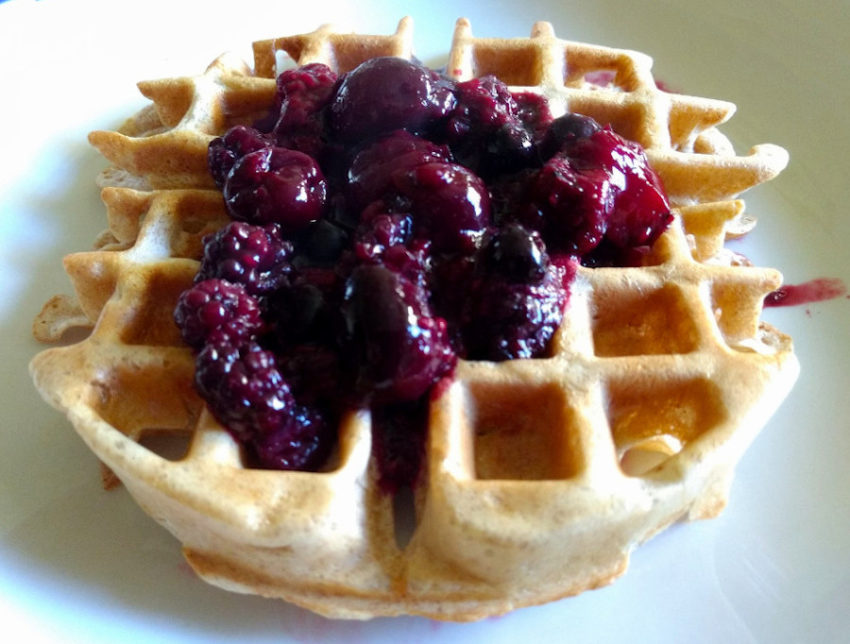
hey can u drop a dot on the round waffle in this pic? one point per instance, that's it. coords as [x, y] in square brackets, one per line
[541, 475]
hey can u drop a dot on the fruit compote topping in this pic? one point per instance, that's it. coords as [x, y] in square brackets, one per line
[386, 223]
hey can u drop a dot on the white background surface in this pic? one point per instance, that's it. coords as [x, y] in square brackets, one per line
[79, 564]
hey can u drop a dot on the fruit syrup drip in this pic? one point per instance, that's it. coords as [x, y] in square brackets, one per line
[387, 222]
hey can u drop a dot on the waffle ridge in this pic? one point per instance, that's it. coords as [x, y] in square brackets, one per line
[541, 475]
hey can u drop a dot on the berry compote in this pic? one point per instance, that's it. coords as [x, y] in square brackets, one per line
[386, 223]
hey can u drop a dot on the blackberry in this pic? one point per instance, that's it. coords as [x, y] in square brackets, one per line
[224, 151]
[401, 348]
[302, 94]
[255, 256]
[215, 305]
[485, 131]
[597, 187]
[301, 441]
[247, 394]
[507, 320]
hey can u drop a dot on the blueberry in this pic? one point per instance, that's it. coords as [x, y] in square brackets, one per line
[564, 130]
[321, 243]
[517, 254]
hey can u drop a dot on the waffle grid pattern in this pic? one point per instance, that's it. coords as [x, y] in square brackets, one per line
[542, 474]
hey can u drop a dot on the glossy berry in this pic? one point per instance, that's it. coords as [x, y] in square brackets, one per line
[301, 441]
[597, 187]
[516, 253]
[533, 110]
[564, 131]
[485, 130]
[370, 177]
[379, 232]
[255, 256]
[449, 203]
[385, 94]
[401, 348]
[224, 151]
[215, 305]
[570, 207]
[276, 186]
[247, 394]
[508, 320]
[243, 386]
[302, 94]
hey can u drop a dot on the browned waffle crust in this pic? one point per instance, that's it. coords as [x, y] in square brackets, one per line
[542, 475]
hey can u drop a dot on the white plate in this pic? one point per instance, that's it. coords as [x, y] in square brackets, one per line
[80, 564]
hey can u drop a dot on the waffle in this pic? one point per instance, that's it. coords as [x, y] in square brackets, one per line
[541, 475]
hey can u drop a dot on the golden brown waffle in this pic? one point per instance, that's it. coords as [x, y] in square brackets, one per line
[542, 475]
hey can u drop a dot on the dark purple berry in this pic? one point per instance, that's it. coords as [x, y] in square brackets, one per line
[276, 186]
[302, 95]
[254, 256]
[533, 111]
[247, 394]
[321, 243]
[303, 312]
[641, 211]
[402, 349]
[379, 232]
[370, 177]
[485, 130]
[385, 94]
[301, 441]
[565, 130]
[508, 320]
[224, 151]
[597, 187]
[216, 305]
[516, 254]
[570, 207]
[449, 203]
